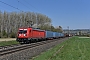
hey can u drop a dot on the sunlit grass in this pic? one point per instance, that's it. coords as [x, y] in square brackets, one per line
[4, 43]
[73, 49]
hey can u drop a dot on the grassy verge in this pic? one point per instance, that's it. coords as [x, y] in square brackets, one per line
[4, 43]
[73, 49]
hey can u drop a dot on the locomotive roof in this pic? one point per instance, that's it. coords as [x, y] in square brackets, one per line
[32, 28]
[38, 29]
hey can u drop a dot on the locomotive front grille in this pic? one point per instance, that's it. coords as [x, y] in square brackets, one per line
[21, 39]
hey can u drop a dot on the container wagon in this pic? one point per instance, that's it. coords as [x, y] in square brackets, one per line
[49, 35]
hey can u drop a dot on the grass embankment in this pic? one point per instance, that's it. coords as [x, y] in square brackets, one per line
[4, 43]
[73, 49]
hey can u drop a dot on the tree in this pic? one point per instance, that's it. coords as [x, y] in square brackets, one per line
[10, 22]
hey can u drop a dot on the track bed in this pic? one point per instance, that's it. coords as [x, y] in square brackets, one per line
[25, 53]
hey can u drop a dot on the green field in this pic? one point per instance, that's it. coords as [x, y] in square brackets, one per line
[73, 49]
[4, 43]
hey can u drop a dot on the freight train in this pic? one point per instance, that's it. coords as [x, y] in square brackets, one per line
[28, 35]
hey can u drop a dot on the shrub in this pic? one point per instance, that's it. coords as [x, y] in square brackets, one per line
[88, 35]
[12, 35]
[4, 34]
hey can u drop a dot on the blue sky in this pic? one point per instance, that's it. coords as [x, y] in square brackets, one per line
[72, 13]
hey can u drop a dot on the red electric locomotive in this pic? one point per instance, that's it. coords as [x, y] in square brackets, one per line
[27, 35]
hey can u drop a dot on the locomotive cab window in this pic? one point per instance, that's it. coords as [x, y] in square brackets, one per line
[22, 31]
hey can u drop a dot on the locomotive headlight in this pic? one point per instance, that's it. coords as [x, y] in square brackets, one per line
[24, 35]
[19, 34]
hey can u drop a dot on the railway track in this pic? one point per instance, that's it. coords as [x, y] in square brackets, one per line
[8, 46]
[15, 48]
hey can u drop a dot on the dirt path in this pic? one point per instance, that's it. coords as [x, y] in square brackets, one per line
[7, 39]
[84, 37]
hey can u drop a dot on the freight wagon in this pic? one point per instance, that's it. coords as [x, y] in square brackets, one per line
[49, 35]
[56, 35]
[28, 35]
[62, 35]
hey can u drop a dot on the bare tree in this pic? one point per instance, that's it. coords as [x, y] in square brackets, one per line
[11, 21]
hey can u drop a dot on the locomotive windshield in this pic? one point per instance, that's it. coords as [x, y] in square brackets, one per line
[22, 31]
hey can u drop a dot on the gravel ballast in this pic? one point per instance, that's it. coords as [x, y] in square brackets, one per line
[27, 54]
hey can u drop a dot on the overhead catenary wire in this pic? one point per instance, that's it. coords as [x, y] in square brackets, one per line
[23, 4]
[36, 13]
[11, 6]
[28, 7]
[31, 5]
[1, 7]
[17, 7]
